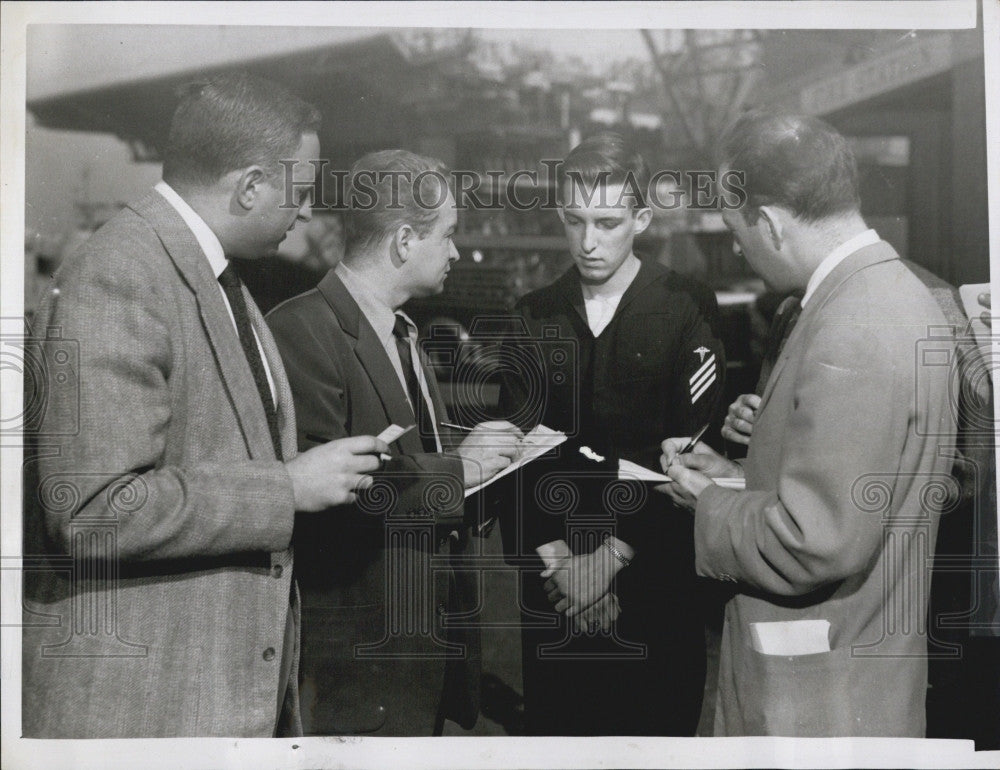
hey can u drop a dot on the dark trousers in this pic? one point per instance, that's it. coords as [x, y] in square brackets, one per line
[645, 678]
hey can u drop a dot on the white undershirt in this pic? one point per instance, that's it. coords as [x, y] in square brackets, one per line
[835, 257]
[213, 251]
[601, 306]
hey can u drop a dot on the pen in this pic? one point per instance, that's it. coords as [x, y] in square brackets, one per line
[694, 440]
[326, 439]
[456, 427]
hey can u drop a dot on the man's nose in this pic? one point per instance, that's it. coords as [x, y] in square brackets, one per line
[305, 210]
[589, 242]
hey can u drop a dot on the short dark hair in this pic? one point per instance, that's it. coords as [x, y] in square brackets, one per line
[232, 121]
[794, 161]
[607, 158]
[388, 189]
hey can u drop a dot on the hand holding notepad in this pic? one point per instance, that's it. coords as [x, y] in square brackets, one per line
[630, 471]
[534, 444]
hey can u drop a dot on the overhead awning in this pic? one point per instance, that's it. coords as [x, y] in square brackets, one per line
[370, 87]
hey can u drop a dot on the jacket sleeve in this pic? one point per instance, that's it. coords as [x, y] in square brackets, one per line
[114, 325]
[694, 397]
[420, 484]
[847, 420]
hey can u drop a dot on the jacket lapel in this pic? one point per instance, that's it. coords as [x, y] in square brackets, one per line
[192, 264]
[859, 260]
[372, 356]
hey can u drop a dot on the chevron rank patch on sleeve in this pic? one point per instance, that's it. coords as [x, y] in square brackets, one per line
[703, 378]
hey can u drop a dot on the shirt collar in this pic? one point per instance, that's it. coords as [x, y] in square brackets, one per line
[379, 314]
[207, 240]
[835, 257]
[628, 273]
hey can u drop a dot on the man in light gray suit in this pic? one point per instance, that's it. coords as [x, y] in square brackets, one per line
[848, 467]
[160, 503]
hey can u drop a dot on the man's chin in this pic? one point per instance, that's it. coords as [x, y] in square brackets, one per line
[593, 274]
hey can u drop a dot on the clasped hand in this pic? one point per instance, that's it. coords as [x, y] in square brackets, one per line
[578, 586]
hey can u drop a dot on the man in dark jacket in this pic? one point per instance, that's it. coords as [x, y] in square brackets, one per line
[612, 635]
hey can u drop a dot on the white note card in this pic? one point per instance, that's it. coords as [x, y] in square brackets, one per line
[630, 471]
[791, 637]
[393, 432]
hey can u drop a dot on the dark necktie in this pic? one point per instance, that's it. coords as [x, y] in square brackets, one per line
[401, 331]
[233, 287]
[784, 321]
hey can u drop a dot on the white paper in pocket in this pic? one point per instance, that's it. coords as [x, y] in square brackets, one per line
[791, 637]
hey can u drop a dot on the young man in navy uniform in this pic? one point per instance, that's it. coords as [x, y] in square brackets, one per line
[613, 638]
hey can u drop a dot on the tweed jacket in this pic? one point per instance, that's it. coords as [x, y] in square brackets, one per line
[845, 481]
[157, 520]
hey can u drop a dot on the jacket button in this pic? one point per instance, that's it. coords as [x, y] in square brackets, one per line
[269, 653]
[277, 570]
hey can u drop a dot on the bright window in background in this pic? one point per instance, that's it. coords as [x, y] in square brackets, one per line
[884, 167]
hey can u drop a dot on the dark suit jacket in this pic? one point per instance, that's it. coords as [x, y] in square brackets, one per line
[845, 480]
[367, 571]
[163, 515]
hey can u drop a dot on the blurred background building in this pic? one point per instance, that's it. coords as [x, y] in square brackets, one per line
[502, 101]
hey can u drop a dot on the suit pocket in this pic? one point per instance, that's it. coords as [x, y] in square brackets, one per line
[800, 695]
[834, 693]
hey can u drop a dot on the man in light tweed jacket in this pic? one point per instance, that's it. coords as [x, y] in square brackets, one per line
[848, 469]
[161, 495]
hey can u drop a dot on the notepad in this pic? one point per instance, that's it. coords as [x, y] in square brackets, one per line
[630, 471]
[536, 443]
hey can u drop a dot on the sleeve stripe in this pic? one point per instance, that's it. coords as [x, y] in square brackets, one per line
[704, 367]
[704, 387]
[702, 379]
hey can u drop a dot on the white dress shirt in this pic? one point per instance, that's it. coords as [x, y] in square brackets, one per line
[212, 250]
[835, 257]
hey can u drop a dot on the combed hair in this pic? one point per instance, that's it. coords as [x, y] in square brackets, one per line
[233, 121]
[794, 161]
[607, 158]
[388, 189]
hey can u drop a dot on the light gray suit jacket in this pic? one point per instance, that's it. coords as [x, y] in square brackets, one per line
[157, 519]
[846, 478]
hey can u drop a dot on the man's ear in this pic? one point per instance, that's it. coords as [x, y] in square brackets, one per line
[770, 219]
[402, 241]
[643, 217]
[561, 213]
[248, 186]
